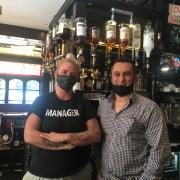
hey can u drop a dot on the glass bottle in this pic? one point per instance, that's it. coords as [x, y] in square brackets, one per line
[148, 43]
[123, 37]
[64, 28]
[110, 34]
[148, 39]
[94, 35]
[89, 80]
[80, 37]
[136, 40]
[80, 31]
[98, 81]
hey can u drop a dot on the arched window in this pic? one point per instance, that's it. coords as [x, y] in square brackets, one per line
[15, 93]
[2, 90]
[32, 91]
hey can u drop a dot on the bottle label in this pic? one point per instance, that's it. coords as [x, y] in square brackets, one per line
[95, 34]
[110, 34]
[80, 29]
[136, 39]
[124, 33]
[137, 35]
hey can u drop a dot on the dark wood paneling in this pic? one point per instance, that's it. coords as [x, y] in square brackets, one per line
[24, 32]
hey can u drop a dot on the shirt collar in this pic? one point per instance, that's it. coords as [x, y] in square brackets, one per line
[132, 97]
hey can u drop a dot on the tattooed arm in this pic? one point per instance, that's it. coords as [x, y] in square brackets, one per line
[32, 135]
[90, 136]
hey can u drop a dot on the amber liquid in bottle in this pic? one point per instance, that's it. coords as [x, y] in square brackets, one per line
[123, 37]
[110, 40]
[94, 35]
[110, 35]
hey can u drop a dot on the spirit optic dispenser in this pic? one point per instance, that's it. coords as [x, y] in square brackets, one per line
[110, 28]
[94, 39]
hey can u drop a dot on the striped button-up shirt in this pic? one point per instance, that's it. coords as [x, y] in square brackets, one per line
[135, 144]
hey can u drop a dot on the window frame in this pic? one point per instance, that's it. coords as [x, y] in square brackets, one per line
[24, 79]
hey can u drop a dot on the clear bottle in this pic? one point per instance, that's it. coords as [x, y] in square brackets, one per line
[65, 28]
[148, 39]
[136, 40]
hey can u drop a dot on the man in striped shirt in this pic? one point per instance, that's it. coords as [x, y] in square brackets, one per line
[135, 144]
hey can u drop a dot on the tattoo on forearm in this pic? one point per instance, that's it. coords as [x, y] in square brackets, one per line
[52, 144]
[83, 138]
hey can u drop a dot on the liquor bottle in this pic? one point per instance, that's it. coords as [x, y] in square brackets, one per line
[80, 37]
[80, 31]
[83, 75]
[110, 34]
[123, 37]
[94, 35]
[65, 29]
[148, 39]
[98, 81]
[136, 40]
[148, 42]
[89, 81]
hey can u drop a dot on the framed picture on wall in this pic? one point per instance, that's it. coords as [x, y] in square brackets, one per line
[173, 37]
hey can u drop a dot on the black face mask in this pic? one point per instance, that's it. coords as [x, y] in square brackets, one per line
[66, 82]
[122, 90]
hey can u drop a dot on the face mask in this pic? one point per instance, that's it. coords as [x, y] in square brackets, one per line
[122, 90]
[66, 82]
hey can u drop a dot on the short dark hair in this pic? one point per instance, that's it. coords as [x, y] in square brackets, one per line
[123, 59]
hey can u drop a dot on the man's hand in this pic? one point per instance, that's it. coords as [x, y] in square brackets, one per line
[59, 145]
[55, 137]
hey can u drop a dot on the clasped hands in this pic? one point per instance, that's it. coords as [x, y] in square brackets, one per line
[58, 140]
